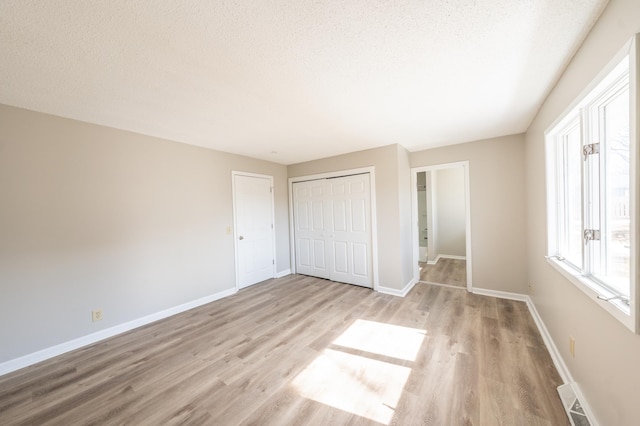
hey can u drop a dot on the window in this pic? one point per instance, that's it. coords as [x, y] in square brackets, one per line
[591, 186]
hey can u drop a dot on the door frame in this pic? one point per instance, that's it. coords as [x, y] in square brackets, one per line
[235, 173]
[374, 227]
[415, 231]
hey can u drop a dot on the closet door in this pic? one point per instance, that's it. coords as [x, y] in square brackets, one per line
[350, 235]
[332, 225]
[309, 227]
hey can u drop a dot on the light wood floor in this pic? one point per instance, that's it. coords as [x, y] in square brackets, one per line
[445, 271]
[305, 351]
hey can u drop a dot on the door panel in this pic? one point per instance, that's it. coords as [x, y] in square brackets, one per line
[302, 212]
[360, 260]
[340, 215]
[338, 188]
[358, 216]
[317, 209]
[253, 213]
[340, 263]
[319, 255]
[304, 252]
[309, 227]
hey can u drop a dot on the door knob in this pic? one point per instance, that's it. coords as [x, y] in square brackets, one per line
[241, 237]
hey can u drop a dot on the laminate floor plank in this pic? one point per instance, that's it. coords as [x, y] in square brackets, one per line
[446, 271]
[302, 350]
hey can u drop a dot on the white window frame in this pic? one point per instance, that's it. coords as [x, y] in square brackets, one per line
[572, 122]
[591, 96]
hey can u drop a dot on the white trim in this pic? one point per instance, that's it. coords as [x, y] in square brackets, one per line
[235, 173]
[614, 308]
[556, 357]
[44, 354]
[374, 226]
[444, 285]
[468, 253]
[283, 273]
[444, 256]
[334, 174]
[583, 97]
[500, 294]
[414, 218]
[448, 256]
[627, 315]
[558, 361]
[371, 170]
[431, 214]
[634, 155]
[585, 404]
[400, 293]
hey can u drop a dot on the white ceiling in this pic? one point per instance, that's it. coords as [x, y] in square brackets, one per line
[291, 80]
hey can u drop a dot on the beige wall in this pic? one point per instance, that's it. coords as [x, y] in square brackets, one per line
[607, 361]
[496, 175]
[451, 211]
[93, 217]
[392, 187]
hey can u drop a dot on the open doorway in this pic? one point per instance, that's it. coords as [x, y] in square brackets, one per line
[441, 214]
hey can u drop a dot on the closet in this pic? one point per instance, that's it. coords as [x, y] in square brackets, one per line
[332, 228]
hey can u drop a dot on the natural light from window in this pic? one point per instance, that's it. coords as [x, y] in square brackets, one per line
[382, 339]
[592, 188]
[364, 371]
[614, 267]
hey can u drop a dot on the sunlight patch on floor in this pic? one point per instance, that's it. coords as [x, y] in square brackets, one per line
[356, 384]
[361, 384]
[382, 339]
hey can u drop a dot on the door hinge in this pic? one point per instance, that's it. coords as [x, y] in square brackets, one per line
[272, 226]
[271, 189]
[273, 262]
[590, 149]
[591, 235]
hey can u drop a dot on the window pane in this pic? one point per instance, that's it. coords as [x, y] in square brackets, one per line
[572, 247]
[615, 237]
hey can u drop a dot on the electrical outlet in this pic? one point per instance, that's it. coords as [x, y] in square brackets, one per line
[228, 230]
[572, 346]
[96, 315]
[531, 288]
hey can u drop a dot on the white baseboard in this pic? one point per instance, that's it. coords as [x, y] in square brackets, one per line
[448, 256]
[395, 292]
[546, 337]
[44, 354]
[557, 359]
[585, 404]
[500, 294]
[283, 273]
[455, 287]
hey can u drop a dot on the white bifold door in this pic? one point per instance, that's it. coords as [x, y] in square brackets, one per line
[332, 226]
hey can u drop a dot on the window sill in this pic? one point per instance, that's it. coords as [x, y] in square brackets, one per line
[616, 308]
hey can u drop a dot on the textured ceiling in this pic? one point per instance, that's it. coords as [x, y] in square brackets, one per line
[291, 80]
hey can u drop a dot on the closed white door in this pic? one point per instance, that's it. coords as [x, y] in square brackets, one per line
[310, 227]
[332, 225]
[254, 233]
[350, 235]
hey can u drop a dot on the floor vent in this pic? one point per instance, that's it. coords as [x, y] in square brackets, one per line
[575, 410]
